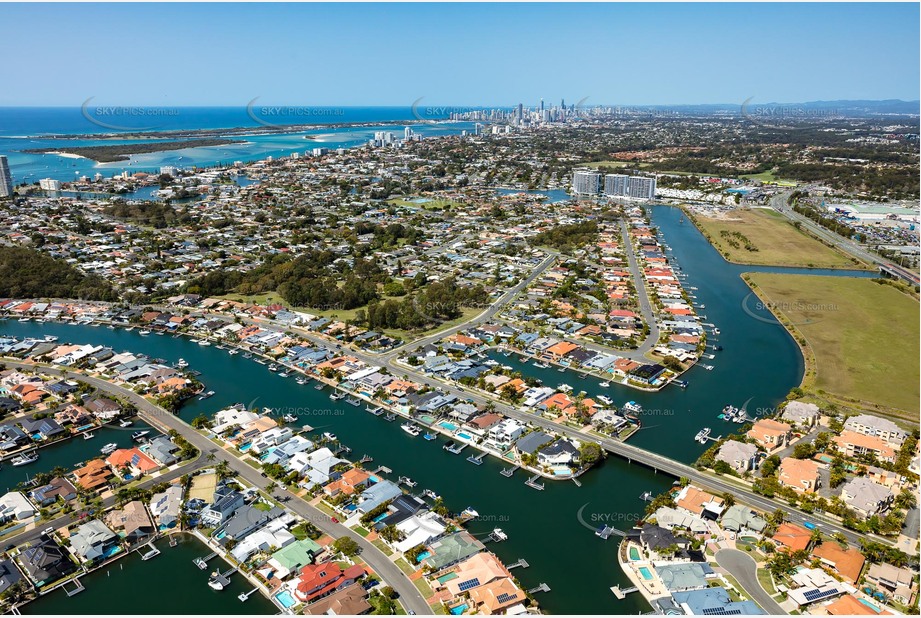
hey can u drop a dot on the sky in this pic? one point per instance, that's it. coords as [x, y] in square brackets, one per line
[456, 54]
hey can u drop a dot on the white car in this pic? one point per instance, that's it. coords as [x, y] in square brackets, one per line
[48, 531]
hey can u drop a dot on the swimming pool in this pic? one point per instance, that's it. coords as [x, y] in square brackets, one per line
[464, 436]
[561, 471]
[634, 553]
[245, 447]
[423, 556]
[457, 610]
[870, 605]
[447, 425]
[284, 597]
[645, 573]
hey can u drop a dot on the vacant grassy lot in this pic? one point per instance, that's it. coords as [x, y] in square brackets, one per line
[863, 335]
[778, 243]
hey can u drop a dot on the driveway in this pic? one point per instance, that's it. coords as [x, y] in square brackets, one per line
[743, 567]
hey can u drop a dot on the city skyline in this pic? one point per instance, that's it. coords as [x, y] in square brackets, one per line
[484, 55]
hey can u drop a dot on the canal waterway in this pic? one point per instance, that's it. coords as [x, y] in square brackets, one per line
[760, 364]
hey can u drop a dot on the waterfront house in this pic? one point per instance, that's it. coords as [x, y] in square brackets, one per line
[45, 562]
[875, 426]
[15, 506]
[656, 540]
[93, 541]
[319, 580]
[225, 503]
[131, 461]
[802, 415]
[647, 374]
[670, 518]
[699, 502]
[161, 449]
[866, 497]
[503, 434]
[166, 506]
[849, 605]
[419, 529]
[376, 495]
[272, 534]
[294, 556]
[42, 428]
[247, 519]
[561, 452]
[133, 521]
[500, 596]
[846, 562]
[790, 537]
[451, 549]
[477, 570]
[739, 455]
[103, 408]
[897, 581]
[854, 444]
[351, 481]
[770, 434]
[739, 517]
[351, 600]
[528, 444]
[57, 488]
[316, 466]
[801, 475]
[93, 476]
[9, 575]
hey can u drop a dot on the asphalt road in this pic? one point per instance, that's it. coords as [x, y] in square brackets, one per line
[645, 306]
[743, 567]
[410, 596]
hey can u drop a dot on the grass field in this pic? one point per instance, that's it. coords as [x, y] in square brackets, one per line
[778, 243]
[768, 177]
[863, 337]
[432, 204]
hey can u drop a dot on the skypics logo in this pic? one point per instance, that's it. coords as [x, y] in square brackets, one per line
[432, 113]
[594, 521]
[102, 116]
[787, 117]
[762, 311]
[280, 116]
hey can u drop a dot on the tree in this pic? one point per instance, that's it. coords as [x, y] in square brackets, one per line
[346, 546]
[728, 499]
[589, 453]
[769, 466]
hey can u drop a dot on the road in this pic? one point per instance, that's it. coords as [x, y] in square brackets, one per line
[652, 339]
[744, 568]
[410, 596]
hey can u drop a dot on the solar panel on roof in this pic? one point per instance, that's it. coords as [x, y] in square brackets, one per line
[505, 597]
[467, 585]
[721, 611]
[815, 594]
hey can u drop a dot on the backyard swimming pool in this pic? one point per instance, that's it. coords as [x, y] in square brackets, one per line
[465, 436]
[458, 610]
[447, 425]
[284, 597]
[645, 573]
[634, 554]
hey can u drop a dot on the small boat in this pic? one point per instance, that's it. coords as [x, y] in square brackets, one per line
[498, 535]
[301, 381]
[204, 343]
[182, 363]
[469, 513]
[410, 429]
[137, 436]
[248, 355]
[564, 388]
[330, 436]
[233, 351]
[405, 480]
[24, 320]
[491, 363]
[50, 338]
[153, 553]
[561, 369]
[430, 436]
[144, 333]
[353, 401]
[111, 327]
[124, 423]
[273, 367]
[541, 365]
[289, 418]
[89, 435]
[204, 396]
[24, 459]
[108, 449]
[632, 406]
[605, 384]
[718, 348]
[716, 331]
[390, 416]
[605, 400]
[214, 583]
[336, 395]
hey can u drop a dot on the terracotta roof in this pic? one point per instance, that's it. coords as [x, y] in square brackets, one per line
[847, 562]
[792, 536]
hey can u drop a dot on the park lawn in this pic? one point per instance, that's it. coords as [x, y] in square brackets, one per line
[863, 336]
[432, 204]
[777, 241]
[769, 177]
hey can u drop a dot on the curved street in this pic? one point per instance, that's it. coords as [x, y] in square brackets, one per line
[744, 568]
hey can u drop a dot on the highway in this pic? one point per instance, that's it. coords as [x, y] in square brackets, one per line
[410, 596]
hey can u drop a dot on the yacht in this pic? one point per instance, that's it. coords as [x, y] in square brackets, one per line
[183, 363]
[300, 380]
[50, 338]
[233, 351]
[605, 385]
[632, 406]
[273, 367]
[204, 343]
[336, 395]
[204, 396]
[124, 423]
[564, 388]
[25, 459]
[605, 400]
[25, 319]
[89, 435]
[716, 331]
[410, 429]
[329, 436]
[491, 363]
[144, 333]
[289, 418]
[541, 365]
[108, 449]
[137, 436]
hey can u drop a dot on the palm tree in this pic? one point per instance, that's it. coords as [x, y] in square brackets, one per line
[728, 499]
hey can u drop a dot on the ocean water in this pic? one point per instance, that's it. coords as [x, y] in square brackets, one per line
[26, 128]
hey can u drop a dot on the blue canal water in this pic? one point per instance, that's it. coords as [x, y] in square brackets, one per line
[760, 364]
